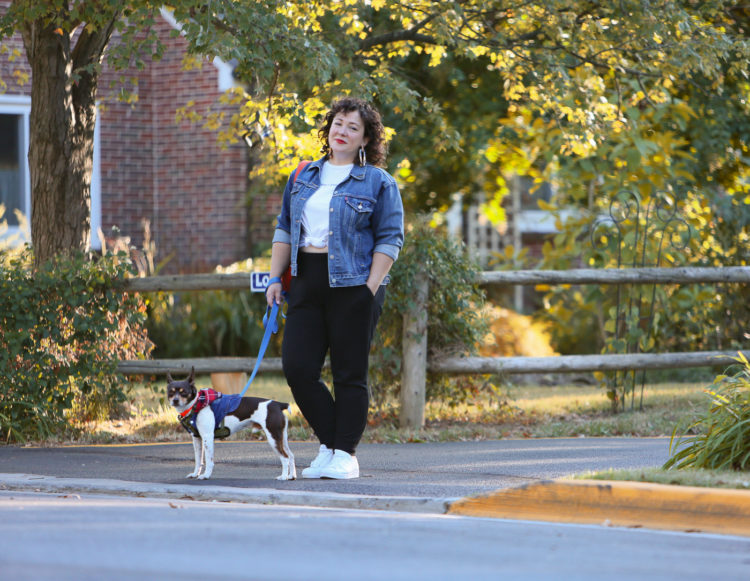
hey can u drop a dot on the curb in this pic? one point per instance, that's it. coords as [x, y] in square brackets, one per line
[53, 484]
[617, 503]
[597, 502]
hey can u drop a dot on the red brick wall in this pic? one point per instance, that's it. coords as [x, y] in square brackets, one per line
[262, 216]
[175, 175]
[13, 71]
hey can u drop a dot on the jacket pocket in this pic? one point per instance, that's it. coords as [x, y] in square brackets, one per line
[359, 211]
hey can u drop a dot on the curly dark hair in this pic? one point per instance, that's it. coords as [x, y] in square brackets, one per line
[375, 150]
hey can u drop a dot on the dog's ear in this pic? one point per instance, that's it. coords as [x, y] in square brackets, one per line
[192, 375]
[169, 377]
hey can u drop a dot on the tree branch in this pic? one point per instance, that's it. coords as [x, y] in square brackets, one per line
[90, 45]
[412, 34]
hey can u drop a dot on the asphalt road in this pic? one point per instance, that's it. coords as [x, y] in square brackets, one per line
[72, 537]
[429, 470]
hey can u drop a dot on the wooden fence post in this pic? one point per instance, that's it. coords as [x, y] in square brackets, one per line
[414, 365]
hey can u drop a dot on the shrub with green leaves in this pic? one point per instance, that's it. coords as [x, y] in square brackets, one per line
[647, 227]
[454, 323]
[63, 328]
[721, 438]
[212, 323]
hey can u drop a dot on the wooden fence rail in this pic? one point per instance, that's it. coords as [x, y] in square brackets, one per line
[580, 363]
[458, 365]
[241, 281]
[646, 275]
[416, 364]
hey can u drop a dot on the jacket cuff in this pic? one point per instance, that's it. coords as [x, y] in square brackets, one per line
[280, 235]
[390, 250]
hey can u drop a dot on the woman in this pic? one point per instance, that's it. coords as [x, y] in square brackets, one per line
[340, 229]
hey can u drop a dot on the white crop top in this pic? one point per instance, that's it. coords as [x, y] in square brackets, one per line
[316, 210]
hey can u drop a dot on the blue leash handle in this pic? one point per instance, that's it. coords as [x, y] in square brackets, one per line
[271, 324]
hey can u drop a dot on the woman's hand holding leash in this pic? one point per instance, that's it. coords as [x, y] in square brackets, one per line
[274, 292]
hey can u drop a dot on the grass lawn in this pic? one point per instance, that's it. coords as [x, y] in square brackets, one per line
[684, 477]
[519, 412]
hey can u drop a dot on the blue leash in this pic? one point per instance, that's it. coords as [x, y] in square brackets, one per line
[271, 324]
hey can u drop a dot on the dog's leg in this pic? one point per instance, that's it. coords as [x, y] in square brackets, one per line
[275, 428]
[205, 424]
[198, 450]
[291, 469]
[279, 449]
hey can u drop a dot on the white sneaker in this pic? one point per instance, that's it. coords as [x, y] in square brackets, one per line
[341, 466]
[321, 460]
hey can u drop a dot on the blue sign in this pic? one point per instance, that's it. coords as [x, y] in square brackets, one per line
[259, 281]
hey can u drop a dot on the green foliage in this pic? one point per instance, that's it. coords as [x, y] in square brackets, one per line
[63, 328]
[209, 323]
[705, 231]
[656, 230]
[439, 152]
[454, 304]
[722, 440]
[681, 136]
[577, 88]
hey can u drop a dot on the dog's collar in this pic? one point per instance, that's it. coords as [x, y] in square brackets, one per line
[186, 412]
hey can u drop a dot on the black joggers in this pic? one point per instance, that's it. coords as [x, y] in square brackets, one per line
[341, 319]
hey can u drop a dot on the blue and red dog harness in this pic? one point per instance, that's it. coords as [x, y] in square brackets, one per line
[221, 404]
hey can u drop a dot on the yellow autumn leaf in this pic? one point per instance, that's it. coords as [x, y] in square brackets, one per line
[546, 206]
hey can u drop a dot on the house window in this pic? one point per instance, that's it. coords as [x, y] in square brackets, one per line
[13, 174]
[15, 188]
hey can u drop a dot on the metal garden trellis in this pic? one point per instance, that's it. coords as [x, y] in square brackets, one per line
[642, 235]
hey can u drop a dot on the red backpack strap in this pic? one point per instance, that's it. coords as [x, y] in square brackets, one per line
[286, 279]
[302, 165]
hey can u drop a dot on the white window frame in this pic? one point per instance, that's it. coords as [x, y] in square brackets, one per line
[21, 105]
[96, 189]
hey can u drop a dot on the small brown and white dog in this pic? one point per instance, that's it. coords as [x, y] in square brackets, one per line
[196, 414]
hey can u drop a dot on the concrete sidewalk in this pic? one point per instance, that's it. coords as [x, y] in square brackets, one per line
[504, 478]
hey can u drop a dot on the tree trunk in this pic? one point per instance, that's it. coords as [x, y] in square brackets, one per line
[61, 133]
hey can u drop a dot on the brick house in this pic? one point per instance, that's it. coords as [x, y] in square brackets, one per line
[192, 191]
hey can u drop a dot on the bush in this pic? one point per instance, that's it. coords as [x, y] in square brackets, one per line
[512, 334]
[63, 328]
[723, 435]
[647, 227]
[209, 323]
[454, 306]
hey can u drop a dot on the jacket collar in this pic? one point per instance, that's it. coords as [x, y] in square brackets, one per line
[358, 171]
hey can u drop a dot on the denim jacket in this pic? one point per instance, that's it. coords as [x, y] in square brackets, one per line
[366, 216]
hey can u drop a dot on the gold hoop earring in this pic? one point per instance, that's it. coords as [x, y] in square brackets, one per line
[362, 155]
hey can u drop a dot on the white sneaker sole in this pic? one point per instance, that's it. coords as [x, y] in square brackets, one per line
[307, 473]
[338, 476]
